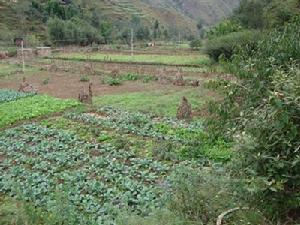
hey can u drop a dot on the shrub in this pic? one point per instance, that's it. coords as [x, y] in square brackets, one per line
[196, 43]
[225, 45]
[113, 81]
[224, 28]
[46, 81]
[130, 76]
[261, 112]
[12, 52]
[196, 196]
[84, 79]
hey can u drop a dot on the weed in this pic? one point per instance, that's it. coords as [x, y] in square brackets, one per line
[46, 81]
[84, 79]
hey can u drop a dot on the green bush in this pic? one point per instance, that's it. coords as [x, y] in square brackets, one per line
[112, 81]
[261, 112]
[84, 79]
[224, 28]
[196, 44]
[225, 45]
[12, 52]
[130, 76]
[197, 196]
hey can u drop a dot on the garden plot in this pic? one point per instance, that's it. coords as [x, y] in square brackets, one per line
[151, 59]
[189, 140]
[30, 107]
[7, 95]
[39, 162]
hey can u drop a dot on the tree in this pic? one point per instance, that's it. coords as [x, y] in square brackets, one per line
[106, 31]
[251, 13]
[156, 32]
[56, 29]
[143, 33]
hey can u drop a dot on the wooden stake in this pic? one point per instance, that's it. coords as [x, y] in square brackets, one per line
[131, 42]
[23, 59]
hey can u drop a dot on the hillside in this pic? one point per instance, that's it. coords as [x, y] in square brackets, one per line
[174, 16]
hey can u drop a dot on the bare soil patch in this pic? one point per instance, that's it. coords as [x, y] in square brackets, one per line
[68, 85]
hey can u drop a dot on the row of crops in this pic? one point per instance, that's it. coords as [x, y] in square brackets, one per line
[7, 95]
[95, 160]
[16, 106]
[38, 162]
[188, 137]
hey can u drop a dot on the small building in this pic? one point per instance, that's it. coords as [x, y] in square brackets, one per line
[43, 51]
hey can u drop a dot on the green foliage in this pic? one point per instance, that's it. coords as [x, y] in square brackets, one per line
[260, 14]
[130, 76]
[277, 13]
[251, 13]
[46, 81]
[161, 103]
[200, 195]
[74, 31]
[143, 33]
[12, 52]
[31, 107]
[113, 81]
[224, 46]
[225, 27]
[7, 95]
[196, 44]
[173, 139]
[262, 112]
[84, 79]
[94, 180]
[192, 59]
[158, 217]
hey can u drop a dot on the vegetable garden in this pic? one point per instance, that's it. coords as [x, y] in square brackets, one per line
[40, 161]
[101, 160]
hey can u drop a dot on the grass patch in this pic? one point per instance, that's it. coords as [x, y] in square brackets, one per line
[31, 107]
[142, 58]
[10, 69]
[162, 103]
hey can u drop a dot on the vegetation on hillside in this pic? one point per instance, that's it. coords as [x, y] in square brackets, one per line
[84, 22]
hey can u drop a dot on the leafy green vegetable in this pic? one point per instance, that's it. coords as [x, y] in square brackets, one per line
[27, 108]
[7, 95]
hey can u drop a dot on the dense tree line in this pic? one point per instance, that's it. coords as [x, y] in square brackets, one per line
[77, 22]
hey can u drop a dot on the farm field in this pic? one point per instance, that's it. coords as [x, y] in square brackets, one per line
[149, 112]
[97, 161]
[159, 59]
[10, 69]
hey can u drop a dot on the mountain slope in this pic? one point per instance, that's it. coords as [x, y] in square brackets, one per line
[19, 18]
